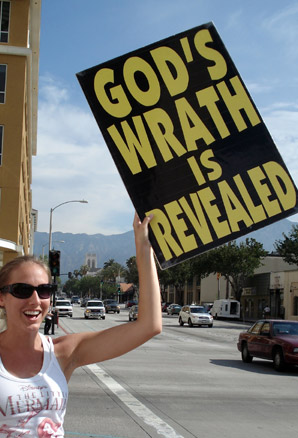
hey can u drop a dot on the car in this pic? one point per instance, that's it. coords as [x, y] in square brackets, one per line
[133, 313]
[63, 307]
[195, 315]
[75, 299]
[130, 303]
[94, 309]
[173, 309]
[271, 339]
[164, 307]
[111, 306]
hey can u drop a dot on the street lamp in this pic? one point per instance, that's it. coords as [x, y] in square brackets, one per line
[46, 244]
[82, 201]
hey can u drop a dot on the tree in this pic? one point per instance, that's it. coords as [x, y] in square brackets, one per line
[131, 273]
[177, 276]
[236, 262]
[83, 270]
[288, 247]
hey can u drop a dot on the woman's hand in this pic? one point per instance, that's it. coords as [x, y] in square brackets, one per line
[141, 229]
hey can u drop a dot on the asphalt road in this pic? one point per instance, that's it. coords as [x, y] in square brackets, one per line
[186, 382]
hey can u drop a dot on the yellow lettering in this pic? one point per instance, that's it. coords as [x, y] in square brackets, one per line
[211, 164]
[135, 65]
[239, 101]
[121, 107]
[198, 219]
[188, 242]
[207, 198]
[207, 97]
[162, 130]
[256, 212]
[193, 164]
[234, 209]
[257, 175]
[219, 70]
[161, 228]
[195, 132]
[277, 175]
[132, 143]
[162, 56]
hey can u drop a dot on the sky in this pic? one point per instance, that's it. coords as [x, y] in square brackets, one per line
[73, 161]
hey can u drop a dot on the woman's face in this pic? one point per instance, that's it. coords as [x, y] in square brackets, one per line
[26, 314]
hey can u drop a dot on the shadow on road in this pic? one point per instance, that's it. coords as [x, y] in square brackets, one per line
[257, 366]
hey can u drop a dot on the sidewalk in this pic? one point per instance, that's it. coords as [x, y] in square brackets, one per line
[58, 331]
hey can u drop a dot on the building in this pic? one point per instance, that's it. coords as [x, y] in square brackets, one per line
[274, 283]
[19, 58]
[91, 262]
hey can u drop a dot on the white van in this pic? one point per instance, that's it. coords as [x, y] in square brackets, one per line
[226, 309]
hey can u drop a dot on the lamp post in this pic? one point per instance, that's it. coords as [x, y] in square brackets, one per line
[82, 201]
[46, 244]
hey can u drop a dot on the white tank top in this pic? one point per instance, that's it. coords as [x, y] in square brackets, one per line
[35, 406]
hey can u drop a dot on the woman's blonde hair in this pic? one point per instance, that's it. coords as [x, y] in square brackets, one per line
[14, 264]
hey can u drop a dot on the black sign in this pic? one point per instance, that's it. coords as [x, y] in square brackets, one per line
[189, 143]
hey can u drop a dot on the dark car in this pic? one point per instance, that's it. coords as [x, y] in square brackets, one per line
[130, 303]
[111, 306]
[165, 306]
[271, 339]
[174, 309]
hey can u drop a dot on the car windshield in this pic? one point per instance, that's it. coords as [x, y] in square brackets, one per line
[285, 328]
[63, 303]
[113, 303]
[198, 310]
[95, 304]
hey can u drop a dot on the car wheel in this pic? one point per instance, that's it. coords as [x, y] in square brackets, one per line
[103, 317]
[70, 316]
[190, 323]
[118, 311]
[278, 360]
[180, 321]
[246, 357]
[86, 317]
[210, 325]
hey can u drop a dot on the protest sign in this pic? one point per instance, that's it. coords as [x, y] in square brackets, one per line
[189, 143]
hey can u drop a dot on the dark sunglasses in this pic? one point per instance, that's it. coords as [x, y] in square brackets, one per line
[24, 290]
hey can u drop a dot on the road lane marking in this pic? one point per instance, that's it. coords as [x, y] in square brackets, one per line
[138, 408]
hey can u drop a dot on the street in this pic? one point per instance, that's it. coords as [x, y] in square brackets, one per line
[186, 382]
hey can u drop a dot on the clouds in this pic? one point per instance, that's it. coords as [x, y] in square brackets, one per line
[73, 162]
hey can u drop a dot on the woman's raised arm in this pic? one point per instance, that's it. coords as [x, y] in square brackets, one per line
[80, 349]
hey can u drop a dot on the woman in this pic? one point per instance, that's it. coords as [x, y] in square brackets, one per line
[34, 370]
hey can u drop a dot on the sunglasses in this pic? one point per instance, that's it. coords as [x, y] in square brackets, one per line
[24, 290]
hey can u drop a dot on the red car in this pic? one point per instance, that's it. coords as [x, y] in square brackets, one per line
[271, 339]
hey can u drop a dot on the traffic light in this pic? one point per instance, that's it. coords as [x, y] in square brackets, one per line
[54, 262]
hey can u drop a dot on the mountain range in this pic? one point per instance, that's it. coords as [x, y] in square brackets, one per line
[120, 247]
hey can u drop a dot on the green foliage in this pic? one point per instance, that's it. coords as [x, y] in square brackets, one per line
[111, 270]
[131, 273]
[236, 262]
[288, 247]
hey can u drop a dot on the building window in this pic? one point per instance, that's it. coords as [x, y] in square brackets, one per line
[4, 21]
[1, 143]
[3, 68]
